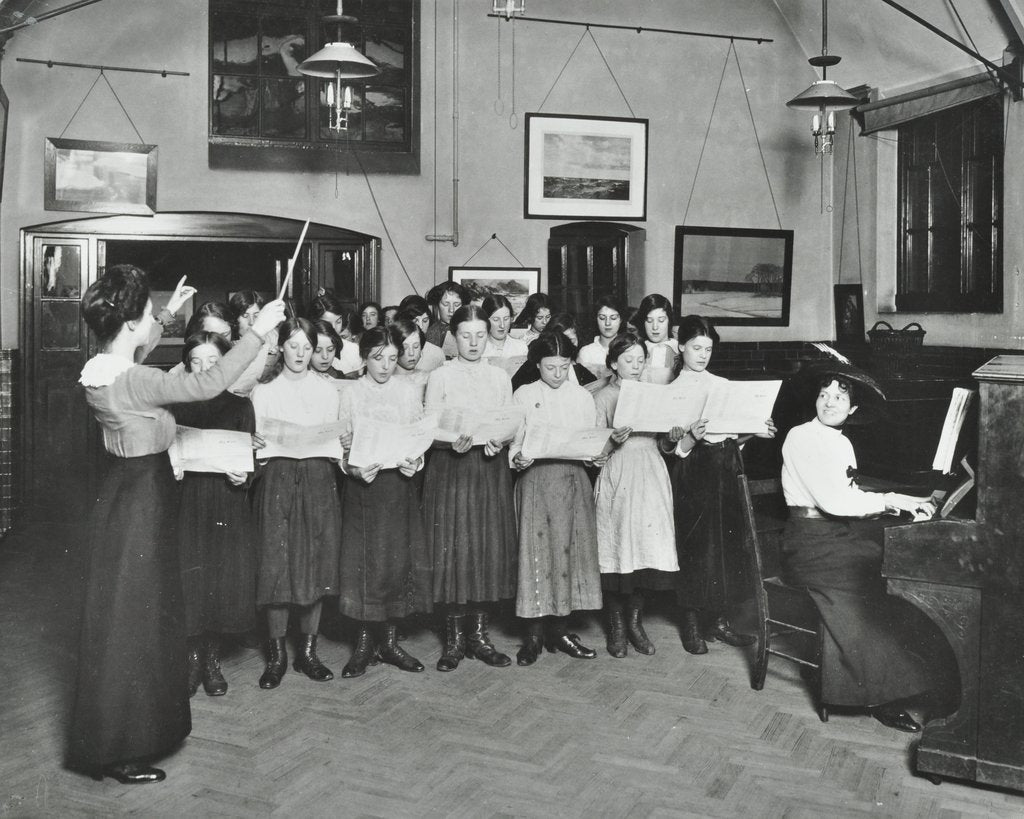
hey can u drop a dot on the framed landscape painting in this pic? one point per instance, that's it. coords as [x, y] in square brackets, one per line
[585, 167]
[734, 275]
[101, 177]
[515, 283]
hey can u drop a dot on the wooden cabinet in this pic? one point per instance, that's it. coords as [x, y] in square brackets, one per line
[591, 259]
[61, 453]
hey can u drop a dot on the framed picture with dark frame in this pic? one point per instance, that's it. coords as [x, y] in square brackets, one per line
[581, 167]
[99, 177]
[736, 276]
[515, 283]
[849, 305]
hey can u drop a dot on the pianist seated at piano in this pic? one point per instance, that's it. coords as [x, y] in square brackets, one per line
[878, 654]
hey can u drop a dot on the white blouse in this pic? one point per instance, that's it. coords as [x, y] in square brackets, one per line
[309, 400]
[464, 384]
[568, 406]
[594, 357]
[815, 463]
[395, 401]
[510, 348]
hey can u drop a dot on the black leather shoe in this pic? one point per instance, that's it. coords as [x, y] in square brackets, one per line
[531, 650]
[214, 683]
[692, 641]
[635, 629]
[454, 644]
[896, 718]
[616, 640]
[132, 773]
[309, 664]
[478, 643]
[570, 644]
[392, 653]
[723, 631]
[364, 654]
[277, 664]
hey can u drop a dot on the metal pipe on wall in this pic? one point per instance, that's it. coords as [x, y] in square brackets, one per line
[452, 237]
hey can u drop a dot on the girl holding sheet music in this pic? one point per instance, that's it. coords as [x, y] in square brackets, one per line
[385, 565]
[713, 570]
[328, 342]
[558, 563]
[635, 532]
[131, 693]
[499, 321]
[218, 563]
[297, 509]
[653, 321]
[608, 313]
[329, 307]
[467, 500]
[410, 355]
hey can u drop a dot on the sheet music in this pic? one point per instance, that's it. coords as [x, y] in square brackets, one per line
[564, 443]
[484, 425]
[388, 444]
[955, 415]
[211, 450]
[649, 407]
[740, 406]
[510, 365]
[287, 440]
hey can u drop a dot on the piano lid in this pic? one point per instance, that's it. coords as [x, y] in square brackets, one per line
[1001, 368]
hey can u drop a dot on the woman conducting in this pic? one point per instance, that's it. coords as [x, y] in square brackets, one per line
[131, 695]
[875, 656]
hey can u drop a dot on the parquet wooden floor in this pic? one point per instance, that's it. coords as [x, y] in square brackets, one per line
[669, 735]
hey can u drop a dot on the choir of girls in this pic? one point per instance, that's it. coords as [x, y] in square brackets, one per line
[456, 531]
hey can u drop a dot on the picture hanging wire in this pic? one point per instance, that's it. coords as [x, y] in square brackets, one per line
[851, 150]
[572, 53]
[494, 238]
[102, 76]
[732, 51]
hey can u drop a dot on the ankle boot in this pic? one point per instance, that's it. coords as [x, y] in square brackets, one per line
[195, 673]
[635, 625]
[454, 644]
[723, 631]
[364, 654]
[214, 683]
[692, 641]
[616, 640]
[277, 663]
[533, 647]
[478, 644]
[392, 653]
[309, 664]
[559, 639]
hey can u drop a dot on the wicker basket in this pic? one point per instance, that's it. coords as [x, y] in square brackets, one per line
[895, 351]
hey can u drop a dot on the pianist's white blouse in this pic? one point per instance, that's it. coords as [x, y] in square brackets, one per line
[816, 460]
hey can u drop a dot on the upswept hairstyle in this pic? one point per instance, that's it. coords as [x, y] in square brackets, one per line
[200, 338]
[377, 337]
[116, 297]
[551, 343]
[649, 304]
[436, 293]
[417, 304]
[691, 327]
[468, 312]
[622, 342]
[494, 302]
[326, 303]
[287, 329]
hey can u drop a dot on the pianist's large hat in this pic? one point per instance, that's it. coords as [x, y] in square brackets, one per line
[868, 393]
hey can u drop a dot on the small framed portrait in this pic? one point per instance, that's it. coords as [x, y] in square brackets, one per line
[849, 306]
[61, 274]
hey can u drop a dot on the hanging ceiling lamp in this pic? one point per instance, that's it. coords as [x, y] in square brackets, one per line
[508, 7]
[338, 62]
[824, 96]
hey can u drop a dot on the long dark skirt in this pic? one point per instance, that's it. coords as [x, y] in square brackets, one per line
[299, 532]
[558, 565]
[714, 571]
[131, 695]
[218, 558]
[639, 581]
[386, 571]
[470, 523]
[877, 648]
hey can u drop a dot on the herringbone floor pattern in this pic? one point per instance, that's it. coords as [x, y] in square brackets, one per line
[669, 735]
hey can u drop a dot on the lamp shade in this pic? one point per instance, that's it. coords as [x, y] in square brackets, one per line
[821, 94]
[339, 57]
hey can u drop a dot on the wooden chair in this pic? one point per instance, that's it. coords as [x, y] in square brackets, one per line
[785, 613]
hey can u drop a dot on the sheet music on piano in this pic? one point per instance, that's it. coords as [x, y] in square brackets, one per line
[955, 415]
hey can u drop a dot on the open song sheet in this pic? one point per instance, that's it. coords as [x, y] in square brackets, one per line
[388, 444]
[211, 450]
[564, 443]
[287, 440]
[730, 406]
[484, 425]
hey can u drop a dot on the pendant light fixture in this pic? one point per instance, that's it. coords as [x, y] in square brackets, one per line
[508, 7]
[824, 96]
[337, 62]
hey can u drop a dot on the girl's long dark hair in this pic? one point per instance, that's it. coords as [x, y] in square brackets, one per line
[287, 329]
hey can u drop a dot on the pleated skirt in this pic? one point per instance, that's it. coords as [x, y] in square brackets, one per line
[558, 565]
[470, 524]
[876, 648]
[386, 570]
[298, 532]
[218, 556]
[131, 692]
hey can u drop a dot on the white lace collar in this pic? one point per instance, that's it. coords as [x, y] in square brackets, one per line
[102, 369]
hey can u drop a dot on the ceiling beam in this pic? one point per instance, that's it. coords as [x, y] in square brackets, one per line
[1012, 9]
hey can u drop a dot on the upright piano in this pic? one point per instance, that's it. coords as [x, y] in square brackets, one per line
[966, 576]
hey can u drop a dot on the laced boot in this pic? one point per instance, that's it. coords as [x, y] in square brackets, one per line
[364, 654]
[692, 641]
[478, 643]
[277, 663]
[454, 644]
[723, 631]
[559, 639]
[309, 664]
[533, 647]
[392, 653]
[195, 673]
[635, 625]
[214, 683]
[616, 640]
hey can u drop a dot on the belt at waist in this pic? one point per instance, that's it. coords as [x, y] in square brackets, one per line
[808, 512]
